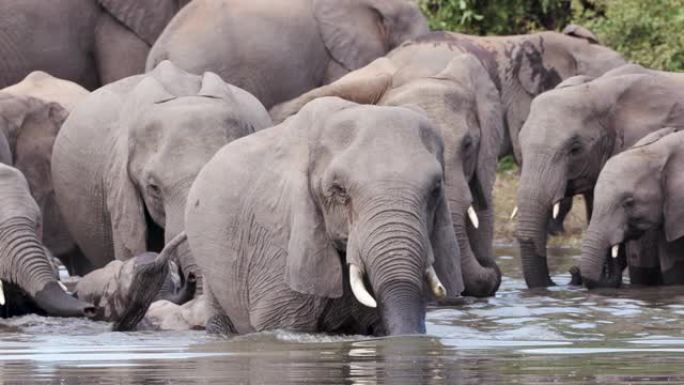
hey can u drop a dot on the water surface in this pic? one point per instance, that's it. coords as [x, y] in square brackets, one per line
[562, 335]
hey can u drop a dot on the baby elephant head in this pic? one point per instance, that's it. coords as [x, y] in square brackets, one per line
[637, 191]
[375, 191]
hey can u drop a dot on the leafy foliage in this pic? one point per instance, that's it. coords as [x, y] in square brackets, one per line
[645, 32]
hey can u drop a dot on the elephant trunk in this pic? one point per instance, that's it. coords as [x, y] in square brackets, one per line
[596, 267]
[479, 280]
[25, 264]
[394, 250]
[537, 193]
[147, 280]
[175, 225]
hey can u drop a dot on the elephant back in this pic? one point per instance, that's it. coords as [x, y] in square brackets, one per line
[146, 18]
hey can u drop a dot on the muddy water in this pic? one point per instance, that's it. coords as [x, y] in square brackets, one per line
[557, 336]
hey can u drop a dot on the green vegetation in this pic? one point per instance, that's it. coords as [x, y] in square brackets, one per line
[648, 32]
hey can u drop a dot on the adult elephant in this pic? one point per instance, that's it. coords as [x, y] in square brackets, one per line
[639, 191]
[91, 42]
[278, 50]
[570, 134]
[28, 282]
[29, 126]
[464, 105]
[126, 156]
[335, 198]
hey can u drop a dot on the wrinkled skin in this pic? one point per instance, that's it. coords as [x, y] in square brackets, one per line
[28, 280]
[90, 42]
[157, 130]
[29, 126]
[123, 291]
[337, 187]
[639, 192]
[464, 104]
[570, 134]
[278, 50]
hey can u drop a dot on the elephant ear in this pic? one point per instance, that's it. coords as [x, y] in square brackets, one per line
[673, 209]
[124, 203]
[578, 31]
[146, 18]
[445, 250]
[314, 266]
[574, 81]
[352, 31]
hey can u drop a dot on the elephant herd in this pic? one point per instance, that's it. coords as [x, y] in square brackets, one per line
[313, 165]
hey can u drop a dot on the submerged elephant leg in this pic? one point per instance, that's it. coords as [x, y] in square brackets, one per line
[672, 261]
[217, 320]
[643, 260]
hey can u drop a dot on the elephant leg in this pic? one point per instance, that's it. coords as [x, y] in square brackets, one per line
[556, 224]
[119, 53]
[217, 320]
[672, 261]
[643, 260]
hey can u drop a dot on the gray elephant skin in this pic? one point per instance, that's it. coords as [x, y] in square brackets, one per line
[126, 156]
[278, 50]
[639, 191]
[339, 199]
[91, 42]
[464, 105]
[570, 134]
[29, 282]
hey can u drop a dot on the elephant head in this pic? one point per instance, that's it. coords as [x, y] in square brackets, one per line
[637, 191]
[464, 105]
[570, 134]
[169, 134]
[356, 32]
[355, 194]
[24, 263]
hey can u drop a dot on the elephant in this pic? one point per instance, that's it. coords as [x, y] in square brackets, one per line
[570, 134]
[126, 156]
[43, 86]
[464, 105]
[28, 283]
[521, 67]
[639, 191]
[29, 126]
[90, 42]
[335, 198]
[122, 291]
[278, 50]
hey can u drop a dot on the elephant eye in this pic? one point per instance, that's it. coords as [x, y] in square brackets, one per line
[339, 192]
[575, 148]
[628, 203]
[154, 189]
[437, 189]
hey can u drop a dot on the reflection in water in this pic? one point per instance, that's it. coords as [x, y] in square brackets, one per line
[560, 335]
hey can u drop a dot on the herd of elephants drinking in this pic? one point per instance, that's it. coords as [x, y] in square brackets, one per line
[314, 165]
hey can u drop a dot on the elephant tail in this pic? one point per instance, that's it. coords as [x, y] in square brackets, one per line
[148, 279]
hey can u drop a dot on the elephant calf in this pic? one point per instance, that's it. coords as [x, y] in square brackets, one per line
[334, 221]
[638, 191]
[27, 279]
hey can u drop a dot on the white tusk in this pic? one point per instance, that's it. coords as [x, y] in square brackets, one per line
[473, 217]
[435, 285]
[2, 295]
[614, 251]
[556, 209]
[63, 286]
[358, 287]
[514, 212]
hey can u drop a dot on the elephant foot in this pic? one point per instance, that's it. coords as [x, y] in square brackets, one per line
[148, 278]
[220, 324]
[575, 276]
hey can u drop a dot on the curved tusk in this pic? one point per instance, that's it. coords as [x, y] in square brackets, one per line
[435, 285]
[473, 217]
[2, 295]
[358, 287]
[614, 251]
[556, 209]
[63, 286]
[514, 212]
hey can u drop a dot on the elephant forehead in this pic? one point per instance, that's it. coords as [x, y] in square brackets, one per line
[195, 116]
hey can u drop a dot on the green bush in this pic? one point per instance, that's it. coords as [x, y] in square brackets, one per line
[650, 33]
